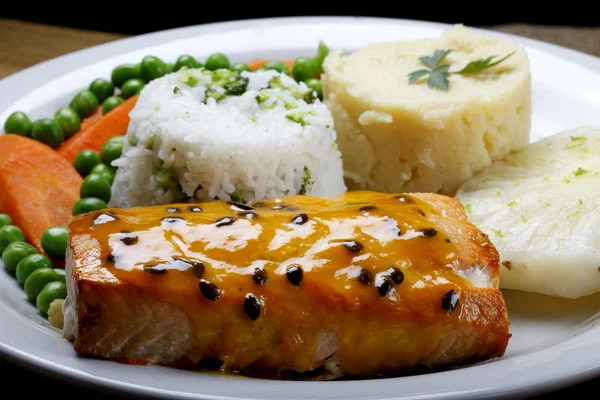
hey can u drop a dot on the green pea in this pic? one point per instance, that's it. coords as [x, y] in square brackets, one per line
[125, 72]
[119, 139]
[14, 253]
[84, 103]
[50, 292]
[132, 87]
[88, 204]
[29, 264]
[217, 61]
[55, 240]
[36, 281]
[164, 179]
[95, 186]
[322, 53]
[18, 123]
[240, 67]
[317, 86]
[48, 131]
[106, 171]
[5, 219]
[186, 61]
[61, 274]
[278, 66]
[110, 103]
[9, 234]
[85, 161]
[153, 68]
[102, 89]
[110, 151]
[68, 120]
[304, 69]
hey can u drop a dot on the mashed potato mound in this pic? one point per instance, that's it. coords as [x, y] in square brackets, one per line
[398, 137]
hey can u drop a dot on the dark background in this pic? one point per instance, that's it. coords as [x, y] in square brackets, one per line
[142, 17]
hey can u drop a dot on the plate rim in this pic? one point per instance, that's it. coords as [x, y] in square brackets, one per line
[69, 374]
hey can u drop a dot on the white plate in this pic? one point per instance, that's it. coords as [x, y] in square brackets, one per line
[555, 342]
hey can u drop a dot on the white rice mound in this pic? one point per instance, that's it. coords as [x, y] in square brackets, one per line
[182, 145]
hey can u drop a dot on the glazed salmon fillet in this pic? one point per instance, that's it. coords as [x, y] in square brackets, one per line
[364, 284]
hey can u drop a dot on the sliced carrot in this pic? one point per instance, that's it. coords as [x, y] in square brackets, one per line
[38, 187]
[114, 123]
[258, 63]
[91, 120]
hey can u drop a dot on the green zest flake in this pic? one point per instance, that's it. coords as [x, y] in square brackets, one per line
[335, 146]
[540, 159]
[523, 219]
[156, 108]
[439, 73]
[498, 193]
[512, 204]
[271, 106]
[498, 232]
[580, 172]
[580, 202]
[237, 87]
[308, 96]
[261, 97]
[566, 180]
[305, 181]
[297, 117]
[150, 142]
[483, 181]
[175, 90]
[517, 151]
[468, 209]
[191, 80]
[218, 96]
[289, 106]
[235, 196]
[575, 214]
[275, 83]
[577, 141]
[253, 118]
[546, 179]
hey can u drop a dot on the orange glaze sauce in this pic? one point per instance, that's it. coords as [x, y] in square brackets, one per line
[338, 239]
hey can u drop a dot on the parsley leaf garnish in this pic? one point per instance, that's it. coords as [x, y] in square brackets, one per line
[436, 59]
[439, 73]
[416, 75]
[481, 64]
[438, 77]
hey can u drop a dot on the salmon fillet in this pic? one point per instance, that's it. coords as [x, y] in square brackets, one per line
[364, 284]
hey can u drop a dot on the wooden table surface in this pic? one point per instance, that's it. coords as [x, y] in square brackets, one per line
[24, 44]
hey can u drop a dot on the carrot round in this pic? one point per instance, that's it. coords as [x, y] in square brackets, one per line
[91, 120]
[114, 123]
[259, 63]
[38, 187]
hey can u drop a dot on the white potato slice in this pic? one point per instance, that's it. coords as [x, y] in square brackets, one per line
[541, 208]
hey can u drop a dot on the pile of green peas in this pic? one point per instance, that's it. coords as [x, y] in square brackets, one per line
[130, 79]
[42, 283]
[98, 175]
